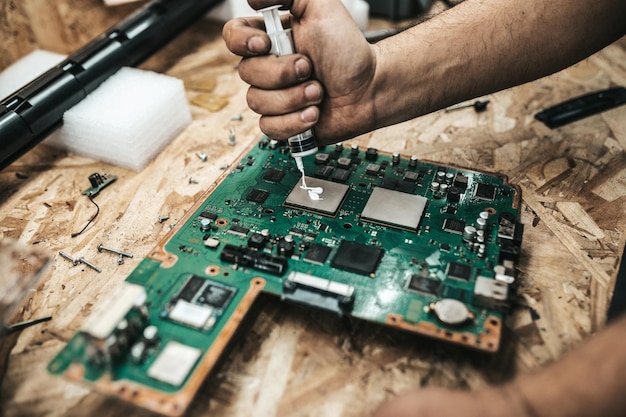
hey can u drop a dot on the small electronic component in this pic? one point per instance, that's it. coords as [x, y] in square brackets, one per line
[341, 175]
[98, 182]
[258, 196]
[372, 169]
[208, 215]
[485, 192]
[324, 172]
[394, 208]
[389, 183]
[174, 363]
[199, 303]
[273, 175]
[459, 271]
[453, 225]
[491, 293]
[193, 315]
[358, 258]
[423, 284]
[246, 257]
[317, 254]
[238, 230]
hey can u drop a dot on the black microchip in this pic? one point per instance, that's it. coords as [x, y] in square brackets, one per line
[454, 225]
[208, 215]
[450, 210]
[459, 271]
[273, 175]
[407, 187]
[317, 254]
[296, 232]
[485, 192]
[310, 236]
[341, 175]
[190, 289]
[358, 258]
[258, 196]
[411, 176]
[389, 183]
[238, 230]
[216, 296]
[425, 285]
[324, 171]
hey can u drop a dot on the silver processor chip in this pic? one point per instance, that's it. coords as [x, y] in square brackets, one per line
[330, 199]
[394, 208]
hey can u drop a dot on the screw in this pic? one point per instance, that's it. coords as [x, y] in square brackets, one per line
[163, 218]
[69, 258]
[236, 117]
[231, 137]
[89, 264]
[192, 181]
[202, 156]
[101, 247]
[479, 106]
[223, 167]
[120, 260]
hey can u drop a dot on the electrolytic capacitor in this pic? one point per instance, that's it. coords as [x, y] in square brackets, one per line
[469, 233]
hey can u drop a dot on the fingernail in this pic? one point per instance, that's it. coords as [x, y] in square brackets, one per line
[256, 45]
[312, 92]
[303, 69]
[309, 115]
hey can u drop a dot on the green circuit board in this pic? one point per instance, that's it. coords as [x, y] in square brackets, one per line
[414, 245]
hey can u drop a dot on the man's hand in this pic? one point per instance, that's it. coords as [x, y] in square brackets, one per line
[327, 84]
[437, 402]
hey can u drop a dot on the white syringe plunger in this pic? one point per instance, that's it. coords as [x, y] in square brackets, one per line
[282, 40]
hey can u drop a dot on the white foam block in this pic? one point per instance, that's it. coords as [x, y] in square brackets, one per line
[27, 69]
[127, 120]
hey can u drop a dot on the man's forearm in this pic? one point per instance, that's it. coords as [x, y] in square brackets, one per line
[589, 381]
[482, 46]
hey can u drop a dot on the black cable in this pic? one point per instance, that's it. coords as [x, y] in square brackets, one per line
[90, 220]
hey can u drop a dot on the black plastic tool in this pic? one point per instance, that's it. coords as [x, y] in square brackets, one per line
[583, 106]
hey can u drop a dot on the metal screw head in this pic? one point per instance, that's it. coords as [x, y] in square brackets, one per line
[120, 260]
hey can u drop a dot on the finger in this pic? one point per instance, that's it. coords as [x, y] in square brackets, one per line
[246, 37]
[277, 102]
[272, 72]
[285, 126]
